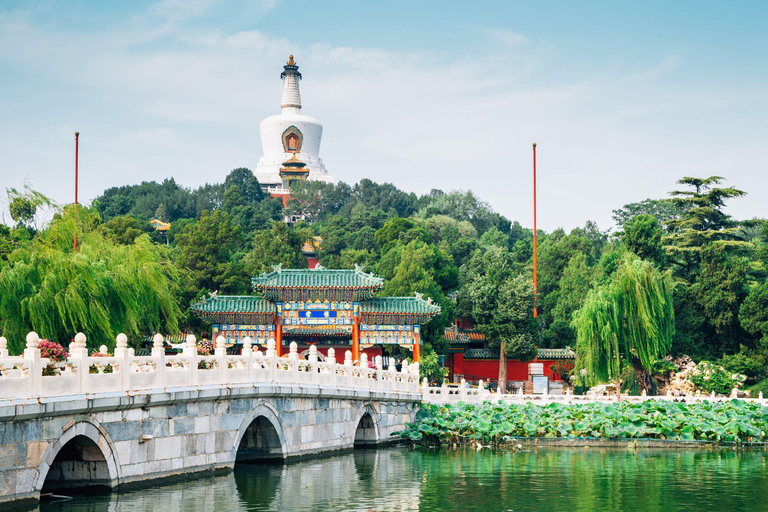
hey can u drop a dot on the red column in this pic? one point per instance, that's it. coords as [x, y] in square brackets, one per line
[355, 340]
[279, 336]
[416, 348]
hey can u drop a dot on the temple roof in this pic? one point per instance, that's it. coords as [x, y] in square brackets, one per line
[294, 163]
[317, 278]
[456, 336]
[210, 309]
[399, 305]
[543, 353]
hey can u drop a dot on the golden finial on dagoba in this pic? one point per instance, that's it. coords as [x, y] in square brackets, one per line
[291, 61]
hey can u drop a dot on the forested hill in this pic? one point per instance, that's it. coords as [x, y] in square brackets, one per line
[441, 244]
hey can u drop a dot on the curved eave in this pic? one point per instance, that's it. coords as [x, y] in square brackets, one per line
[235, 309]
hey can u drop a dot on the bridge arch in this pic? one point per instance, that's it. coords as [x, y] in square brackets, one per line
[366, 426]
[82, 456]
[260, 436]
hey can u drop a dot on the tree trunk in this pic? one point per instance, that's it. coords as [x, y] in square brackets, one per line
[502, 370]
[643, 376]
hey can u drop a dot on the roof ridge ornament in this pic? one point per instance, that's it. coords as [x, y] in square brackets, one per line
[419, 296]
[278, 268]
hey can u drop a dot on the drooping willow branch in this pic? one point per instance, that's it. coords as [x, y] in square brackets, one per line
[631, 316]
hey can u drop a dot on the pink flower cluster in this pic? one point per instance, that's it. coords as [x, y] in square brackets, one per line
[52, 350]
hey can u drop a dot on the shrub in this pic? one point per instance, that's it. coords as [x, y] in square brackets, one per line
[745, 362]
[708, 376]
[662, 367]
[429, 367]
[562, 368]
[52, 351]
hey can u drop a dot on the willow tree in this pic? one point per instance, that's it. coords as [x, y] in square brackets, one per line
[101, 289]
[502, 307]
[631, 316]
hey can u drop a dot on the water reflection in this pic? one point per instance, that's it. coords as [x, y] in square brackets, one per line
[400, 479]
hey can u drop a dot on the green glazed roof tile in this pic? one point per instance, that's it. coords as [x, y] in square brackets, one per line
[543, 353]
[399, 305]
[317, 278]
[233, 304]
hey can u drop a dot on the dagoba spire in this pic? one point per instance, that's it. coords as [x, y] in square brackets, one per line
[291, 76]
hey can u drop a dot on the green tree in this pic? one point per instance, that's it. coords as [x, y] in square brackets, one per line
[574, 286]
[419, 267]
[721, 288]
[102, 289]
[753, 314]
[631, 316]
[23, 206]
[125, 229]
[661, 209]
[208, 248]
[642, 235]
[502, 307]
[701, 222]
[279, 245]
[247, 184]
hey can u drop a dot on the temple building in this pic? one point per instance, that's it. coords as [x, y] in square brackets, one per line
[469, 357]
[290, 141]
[322, 307]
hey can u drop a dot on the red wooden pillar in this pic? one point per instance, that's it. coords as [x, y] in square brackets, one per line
[279, 336]
[416, 347]
[355, 339]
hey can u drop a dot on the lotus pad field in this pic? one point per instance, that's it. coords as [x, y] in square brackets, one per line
[497, 423]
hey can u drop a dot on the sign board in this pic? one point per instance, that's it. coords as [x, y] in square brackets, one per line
[540, 384]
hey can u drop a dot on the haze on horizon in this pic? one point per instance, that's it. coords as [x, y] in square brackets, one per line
[622, 99]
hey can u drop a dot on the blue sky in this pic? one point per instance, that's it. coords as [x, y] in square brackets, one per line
[622, 98]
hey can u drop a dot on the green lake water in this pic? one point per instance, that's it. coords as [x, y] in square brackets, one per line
[548, 479]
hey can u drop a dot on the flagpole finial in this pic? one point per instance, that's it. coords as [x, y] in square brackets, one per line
[534, 144]
[77, 134]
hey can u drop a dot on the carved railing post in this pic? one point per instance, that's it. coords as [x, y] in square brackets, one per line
[158, 352]
[80, 354]
[364, 369]
[247, 353]
[293, 355]
[220, 352]
[331, 360]
[3, 347]
[121, 354]
[313, 364]
[190, 352]
[379, 371]
[272, 355]
[348, 366]
[32, 354]
[425, 389]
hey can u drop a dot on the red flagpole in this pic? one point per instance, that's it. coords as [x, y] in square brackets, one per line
[535, 270]
[77, 147]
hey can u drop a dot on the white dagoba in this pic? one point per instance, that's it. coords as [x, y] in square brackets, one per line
[287, 134]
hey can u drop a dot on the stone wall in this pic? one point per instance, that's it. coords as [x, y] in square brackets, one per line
[146, 437]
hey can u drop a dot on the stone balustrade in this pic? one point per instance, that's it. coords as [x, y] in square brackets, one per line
[446, 394]
[31, 376]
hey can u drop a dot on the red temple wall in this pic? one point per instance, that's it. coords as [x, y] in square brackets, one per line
[488, 369]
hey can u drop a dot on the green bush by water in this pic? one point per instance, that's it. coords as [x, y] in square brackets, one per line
[498, 423]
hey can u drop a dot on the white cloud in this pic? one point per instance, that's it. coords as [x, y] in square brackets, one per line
[419, 119]
[506, 37]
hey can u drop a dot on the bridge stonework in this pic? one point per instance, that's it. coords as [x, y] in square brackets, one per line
[118, 439]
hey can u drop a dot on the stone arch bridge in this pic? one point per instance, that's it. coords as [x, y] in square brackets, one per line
[158, 417]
